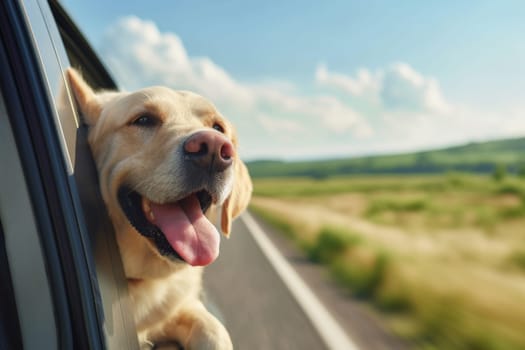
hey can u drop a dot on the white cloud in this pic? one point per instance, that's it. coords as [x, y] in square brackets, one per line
[364, 83]
[402, 88]
[408, 110]
[273, 126]
[514, 125]
[397, 88]
[321, 110]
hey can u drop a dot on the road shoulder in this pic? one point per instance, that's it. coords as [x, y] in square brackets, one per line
[356, 317]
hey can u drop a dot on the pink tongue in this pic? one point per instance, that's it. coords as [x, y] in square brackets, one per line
[187, 230]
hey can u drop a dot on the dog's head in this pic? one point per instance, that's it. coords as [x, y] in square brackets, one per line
[164, 158]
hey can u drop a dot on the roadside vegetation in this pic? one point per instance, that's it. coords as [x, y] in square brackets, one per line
[441, 256]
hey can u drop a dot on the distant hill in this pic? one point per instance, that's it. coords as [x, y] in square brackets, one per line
[480, 157]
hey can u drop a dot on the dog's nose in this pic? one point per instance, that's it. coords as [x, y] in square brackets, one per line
[209, 149]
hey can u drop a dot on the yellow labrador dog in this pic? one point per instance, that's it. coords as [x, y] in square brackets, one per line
[165, 159]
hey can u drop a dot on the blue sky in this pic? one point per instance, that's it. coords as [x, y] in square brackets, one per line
[305, 79]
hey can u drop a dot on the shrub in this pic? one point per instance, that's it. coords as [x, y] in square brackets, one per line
[331, 242]
[510, 188]
[393, 302]
[456, 179]
[486, 219]
[500, 172]
[521, 171]
[380, 205]
[276, 221]
[361, 270]
[444, 324]
[393, 295]
[517, 259]
[513, 212]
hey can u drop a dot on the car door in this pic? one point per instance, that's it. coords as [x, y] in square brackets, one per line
[62, 281]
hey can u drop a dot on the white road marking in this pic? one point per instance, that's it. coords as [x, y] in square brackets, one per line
[331, 332]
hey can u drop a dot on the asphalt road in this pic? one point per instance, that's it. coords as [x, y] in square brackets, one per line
[260, 312]
[252, 301]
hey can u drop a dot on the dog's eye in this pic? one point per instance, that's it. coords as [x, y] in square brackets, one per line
[146, 121]
[218, 127]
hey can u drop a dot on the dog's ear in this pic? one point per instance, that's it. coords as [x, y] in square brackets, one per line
[239, 197]
[85, 97]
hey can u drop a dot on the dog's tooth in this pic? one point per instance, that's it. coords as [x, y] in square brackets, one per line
[146, 207]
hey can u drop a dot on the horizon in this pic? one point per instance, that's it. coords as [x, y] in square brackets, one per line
[346, 79]
[357, 156]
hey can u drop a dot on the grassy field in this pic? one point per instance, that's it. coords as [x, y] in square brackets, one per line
[442, 257]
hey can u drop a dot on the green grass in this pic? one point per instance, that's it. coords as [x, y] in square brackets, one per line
[511, 186]
[354, 265]
[276, 221]
[442, 317]
[384, 200]
[361, 271]
[307, 187]
[331, 243]
[379, 206]
[517, 259]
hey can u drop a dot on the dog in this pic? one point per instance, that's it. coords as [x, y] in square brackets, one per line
[165, 159]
